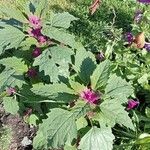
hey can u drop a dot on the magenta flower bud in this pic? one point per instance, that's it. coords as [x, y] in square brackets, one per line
[42, 39]
[90, 96]
[34, 32]
[10, 91]
[144, 1]
[138, 16]
[31, 73]
[147, 46]
[36, 52]
[132, 104]
[128, 37]
[35, 21]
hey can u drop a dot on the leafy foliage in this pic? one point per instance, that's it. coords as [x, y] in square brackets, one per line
[58, 129]
[97, 139]
[9, 41]
[62, 20]
[101, 74]
[79, 97]
[17, 64]
[118, 88]
[55, 62]
[11, 105]
[10, 77]
[113, 112]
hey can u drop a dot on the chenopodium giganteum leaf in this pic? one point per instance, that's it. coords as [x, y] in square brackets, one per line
[56, 130]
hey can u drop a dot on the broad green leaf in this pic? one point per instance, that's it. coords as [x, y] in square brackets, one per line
[118, 88]
[12, 12]
[54, 62]
[14, 63]
[81, 108]
[9, 77]
[97, 139]
[27, 43]
[76, 86]
[58, 128]
[144, 141]
[113, 112]
[68, 147]
[32, 120]
[81, 123]
[84, 64]
[56, 92]
[60, 36]
[62, 20]
[11, 105]
[40, 8]
[9, 41]
[101, 74]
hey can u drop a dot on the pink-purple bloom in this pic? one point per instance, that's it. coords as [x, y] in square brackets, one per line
[129, 37]
[147, 46]
[138, 16]
[36, 52]
[42, 39]
[34, 32]
[90, 96]
[10, 91]
[35, 21]
[32, 73]
[132, 104]
[144, 1]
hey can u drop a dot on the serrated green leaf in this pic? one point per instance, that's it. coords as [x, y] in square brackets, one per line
[12, 12]
[11, 105]
[76, 86]
[40, 7]
[118, 88]
[81, 123]
[101, 74]
[113, 112]
[9, 41]
[97, 139]
[56, 92]
[60, 36]
[14, 63]
[9, 77]
[54, 62]
[80, 109]
[84, 64]
[57, 129]
[62, 20]
[27, 43]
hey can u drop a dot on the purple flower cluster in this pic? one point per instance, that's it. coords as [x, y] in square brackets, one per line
[129, 37]
[36, 52]
[35, 22]
[90, 96]
[147, 46]
[132, 104]
[144, 1]
[32, 73]
[35, 30]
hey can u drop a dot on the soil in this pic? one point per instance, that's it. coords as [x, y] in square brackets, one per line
[19, 129]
